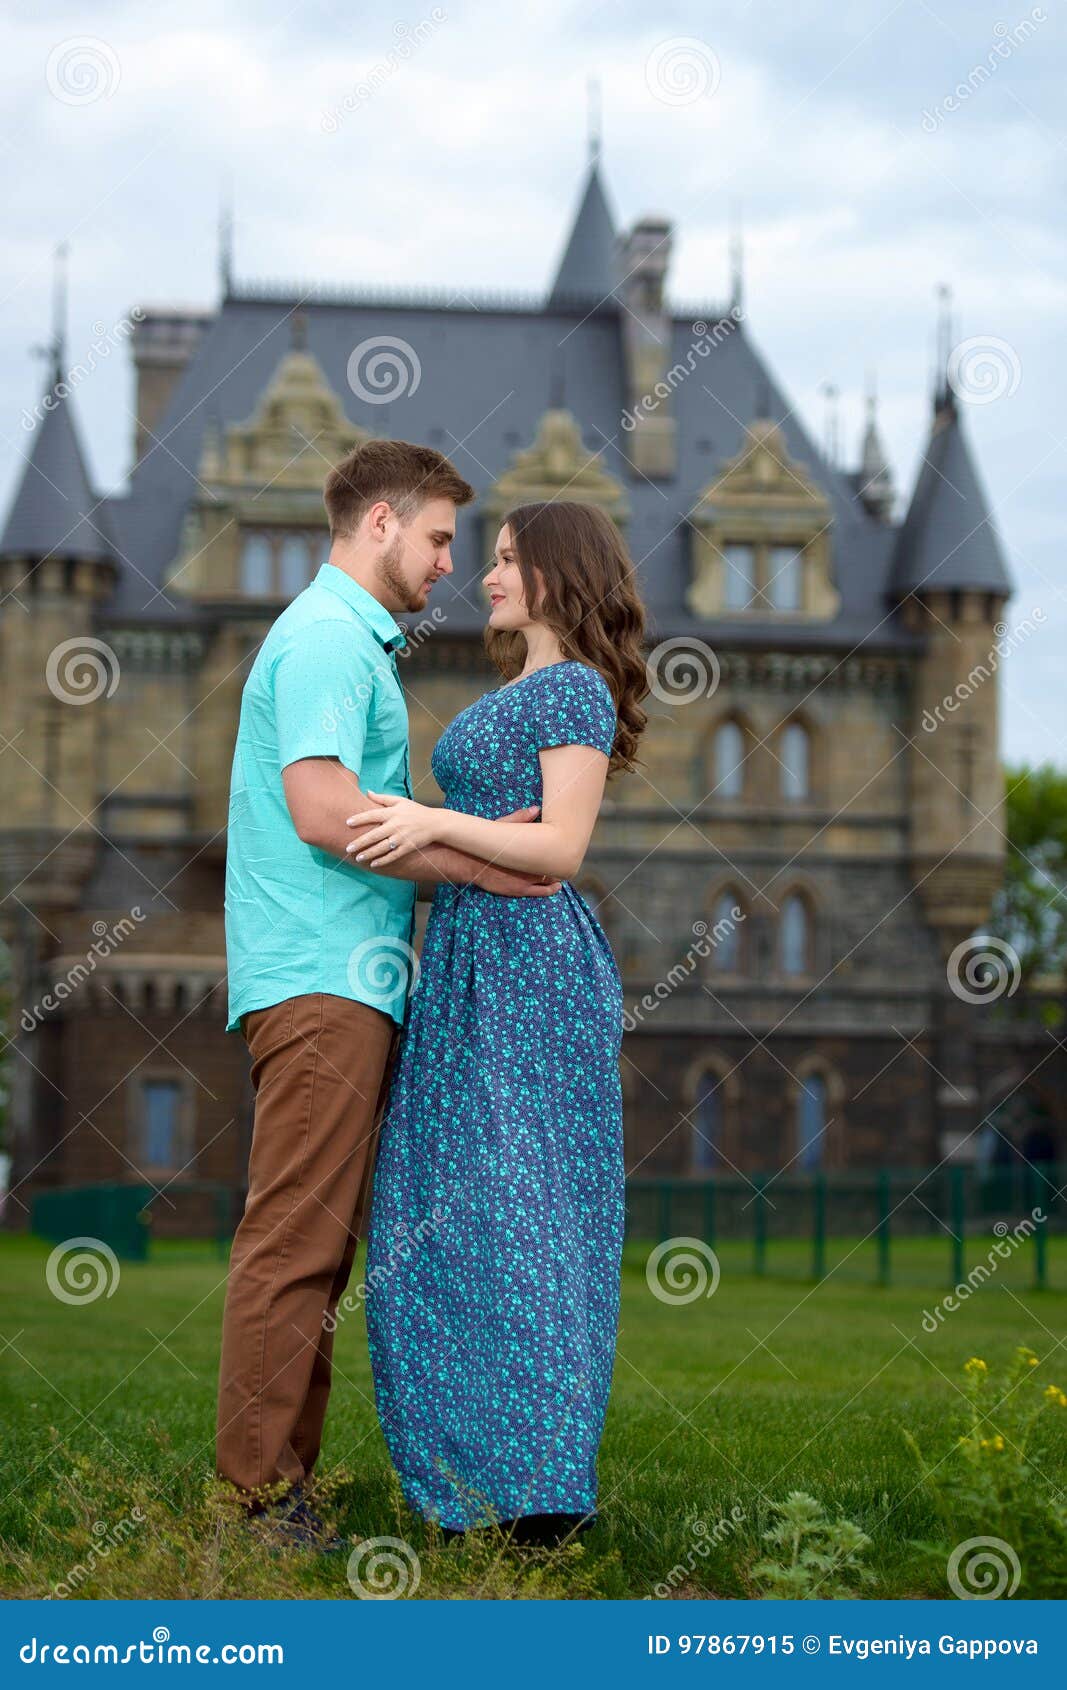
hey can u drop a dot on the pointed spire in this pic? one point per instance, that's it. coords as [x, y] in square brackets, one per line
[831, 429]
[54, 511]
[948, 540]
[586, 271]
[874, 477]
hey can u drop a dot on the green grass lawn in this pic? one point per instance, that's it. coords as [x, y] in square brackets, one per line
[720, 1404]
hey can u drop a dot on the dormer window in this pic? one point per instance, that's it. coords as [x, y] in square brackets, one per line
[784, 590]
[740, 582]
[279, 563]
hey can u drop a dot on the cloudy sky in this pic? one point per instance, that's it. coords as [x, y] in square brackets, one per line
[875, 150]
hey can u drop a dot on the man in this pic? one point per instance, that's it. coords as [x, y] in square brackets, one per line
[319, 950]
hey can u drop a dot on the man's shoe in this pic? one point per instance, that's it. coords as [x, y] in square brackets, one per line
[293, 1524]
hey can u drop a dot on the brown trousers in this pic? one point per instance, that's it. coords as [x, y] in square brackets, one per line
[320, 1071]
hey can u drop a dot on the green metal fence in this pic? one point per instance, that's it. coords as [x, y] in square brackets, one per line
[135, 1220]
[887, 1225]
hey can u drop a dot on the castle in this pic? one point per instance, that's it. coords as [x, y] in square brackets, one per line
[787, 879]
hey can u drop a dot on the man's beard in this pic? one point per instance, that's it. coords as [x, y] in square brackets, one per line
[389, 575]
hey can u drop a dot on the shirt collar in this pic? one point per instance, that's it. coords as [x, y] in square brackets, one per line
[388, 633]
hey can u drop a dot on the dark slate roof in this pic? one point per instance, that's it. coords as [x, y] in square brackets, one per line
[948, 539]
[587, 269]
[54, 511]
[488, 373]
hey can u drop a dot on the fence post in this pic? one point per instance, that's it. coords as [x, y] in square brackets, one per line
[958, 1197]
[709, 1214]
[1033, 1182]
[666, 1192]
[759, 1226]
[818, 1240]
[884, 1211]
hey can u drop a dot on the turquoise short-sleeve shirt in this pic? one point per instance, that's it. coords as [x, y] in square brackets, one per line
[324, 684]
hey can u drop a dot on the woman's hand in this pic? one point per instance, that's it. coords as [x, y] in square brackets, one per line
[394, 827]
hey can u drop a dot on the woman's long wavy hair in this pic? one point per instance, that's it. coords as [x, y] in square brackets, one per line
[590, 602]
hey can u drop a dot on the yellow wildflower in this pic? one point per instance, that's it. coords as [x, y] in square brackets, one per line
[1055, 1395]
[976, 1365]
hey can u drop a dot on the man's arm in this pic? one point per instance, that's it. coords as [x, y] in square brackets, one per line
[321, 793]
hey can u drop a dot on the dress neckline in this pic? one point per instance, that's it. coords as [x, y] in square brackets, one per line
[507, 685]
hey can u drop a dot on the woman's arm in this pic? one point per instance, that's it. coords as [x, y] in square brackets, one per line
[573, 779]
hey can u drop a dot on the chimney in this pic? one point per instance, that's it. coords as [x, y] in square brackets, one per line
[648, 423]
[163, 344]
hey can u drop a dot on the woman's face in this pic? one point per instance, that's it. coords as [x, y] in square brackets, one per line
[504, 587]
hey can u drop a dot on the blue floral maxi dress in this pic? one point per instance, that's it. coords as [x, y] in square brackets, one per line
[492, 1285]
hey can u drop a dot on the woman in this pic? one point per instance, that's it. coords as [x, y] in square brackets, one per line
[497, 1222]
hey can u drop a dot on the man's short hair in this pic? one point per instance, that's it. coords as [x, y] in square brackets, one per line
[394, 470]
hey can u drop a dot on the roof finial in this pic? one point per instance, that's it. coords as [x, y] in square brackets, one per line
[737, 259]
[55, 349]
[594, 119]
[831, 435]
[226, 241]
[942, 385]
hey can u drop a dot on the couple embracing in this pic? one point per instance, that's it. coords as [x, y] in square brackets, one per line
[489, 1096]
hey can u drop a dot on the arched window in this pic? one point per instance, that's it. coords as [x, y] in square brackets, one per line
[294, 565]
[256, 566]
[795, 761]
[729, 761]
[783, 578]
[707, 1124]
[740, 577]
[794, 928]
[725, 934]
[811, 1122]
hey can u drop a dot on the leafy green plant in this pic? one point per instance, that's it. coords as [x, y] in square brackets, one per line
[815, 1556]
[990, 1485]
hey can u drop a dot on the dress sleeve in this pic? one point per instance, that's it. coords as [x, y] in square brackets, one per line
[575, 707]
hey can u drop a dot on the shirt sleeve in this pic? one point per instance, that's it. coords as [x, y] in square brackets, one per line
[323, 695]
[576, 708]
